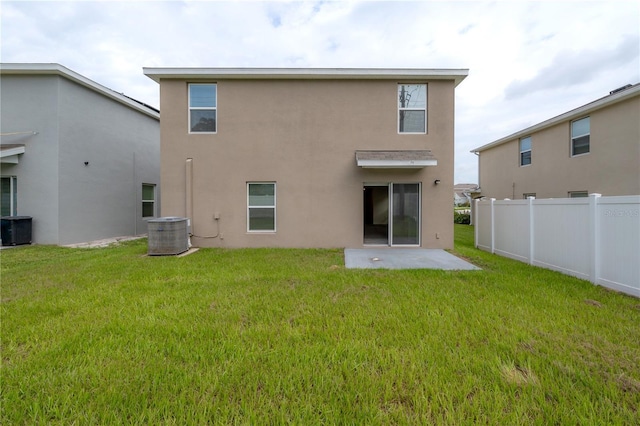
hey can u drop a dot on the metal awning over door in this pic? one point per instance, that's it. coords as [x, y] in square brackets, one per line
[402, 159]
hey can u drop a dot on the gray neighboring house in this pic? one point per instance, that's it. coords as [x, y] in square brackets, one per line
[82, 160]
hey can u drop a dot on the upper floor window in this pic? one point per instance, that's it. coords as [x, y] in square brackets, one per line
[412, 108]
[580, 132]
[525, 151]
[203, 104]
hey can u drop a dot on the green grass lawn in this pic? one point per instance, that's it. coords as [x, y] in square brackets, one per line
[102, 336]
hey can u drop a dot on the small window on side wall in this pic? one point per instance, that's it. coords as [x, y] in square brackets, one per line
[525, 151]
[527, 195]
[578, 194]
[580, 136]
[203, 108]
[412, 108]
[261, 207]
[9, 196]
[148, 200]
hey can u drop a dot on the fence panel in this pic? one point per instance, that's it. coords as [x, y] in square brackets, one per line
[511, 219]
[561, 235]
[595, 238]
[483, 225]
[619, 237]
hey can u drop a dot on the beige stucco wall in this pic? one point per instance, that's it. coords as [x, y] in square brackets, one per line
[301, 134]
[612, 167]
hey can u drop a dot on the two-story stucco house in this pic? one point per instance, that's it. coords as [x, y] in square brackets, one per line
[309, 157]
[592, 149]
[82, 160]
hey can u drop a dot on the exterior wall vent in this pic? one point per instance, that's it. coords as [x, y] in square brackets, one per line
[620, 89]
[168, 236]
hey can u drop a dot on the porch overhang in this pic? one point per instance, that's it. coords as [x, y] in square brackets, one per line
[404, 159]
[9, 153]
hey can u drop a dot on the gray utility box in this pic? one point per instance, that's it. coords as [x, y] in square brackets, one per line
[16, 230]
[168, 236]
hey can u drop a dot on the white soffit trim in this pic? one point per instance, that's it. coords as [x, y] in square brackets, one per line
[57, 69]
[413, 74]
[9, 153]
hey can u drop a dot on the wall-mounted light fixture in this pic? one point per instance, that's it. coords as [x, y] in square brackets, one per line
[437, 181]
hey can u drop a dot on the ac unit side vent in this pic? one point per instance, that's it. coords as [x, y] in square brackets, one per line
[168, 236]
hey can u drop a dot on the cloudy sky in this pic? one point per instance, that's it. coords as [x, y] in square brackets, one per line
[527, 60]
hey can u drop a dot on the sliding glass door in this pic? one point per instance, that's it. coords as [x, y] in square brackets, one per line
[392, 214]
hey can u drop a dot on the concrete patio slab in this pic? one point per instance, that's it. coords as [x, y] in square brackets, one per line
[404, 258]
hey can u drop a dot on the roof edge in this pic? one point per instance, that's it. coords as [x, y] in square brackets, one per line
[60, 70]
[458, 74]
[600, 103]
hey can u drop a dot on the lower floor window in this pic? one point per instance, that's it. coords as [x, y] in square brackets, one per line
[8, 196]
[578, 194]
[148, 200]
[261, 206]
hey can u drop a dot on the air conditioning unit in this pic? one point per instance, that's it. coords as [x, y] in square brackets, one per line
[16, 230]
[168, 236]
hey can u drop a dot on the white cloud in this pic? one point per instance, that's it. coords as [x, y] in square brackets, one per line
[569, 68]
[528, 61]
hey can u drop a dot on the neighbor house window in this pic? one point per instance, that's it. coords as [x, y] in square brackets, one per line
[580, 133]
[525, 151]
[203, 104]
[8, 196]
[412, 108]
[261, 207]
[529, 194]
[578, 194]
[148, 200]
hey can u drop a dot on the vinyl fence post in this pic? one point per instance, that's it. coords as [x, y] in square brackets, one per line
[531, 230]
[594, 241]
[493, 227]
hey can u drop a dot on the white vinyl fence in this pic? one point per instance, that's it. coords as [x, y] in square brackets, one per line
[595, 238]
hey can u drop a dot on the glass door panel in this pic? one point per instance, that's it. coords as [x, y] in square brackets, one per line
[406, 214]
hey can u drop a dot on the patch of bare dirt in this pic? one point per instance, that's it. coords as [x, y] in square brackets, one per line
[593, 303]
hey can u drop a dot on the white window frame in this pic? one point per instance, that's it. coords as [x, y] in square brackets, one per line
[574, 137]
[525, 151]
[275, 203]
[400, 109]
[13, 199]
[190, 108]
[153, 202]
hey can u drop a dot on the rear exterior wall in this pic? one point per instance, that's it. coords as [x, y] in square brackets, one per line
[301, 134]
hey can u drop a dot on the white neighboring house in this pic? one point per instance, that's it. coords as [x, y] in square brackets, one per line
[464, 193]
[81, 159]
